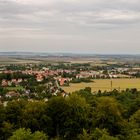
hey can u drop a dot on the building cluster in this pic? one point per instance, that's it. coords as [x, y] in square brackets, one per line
[40, 75]
[54, 79]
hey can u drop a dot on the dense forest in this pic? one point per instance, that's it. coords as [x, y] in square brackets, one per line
[81, 116]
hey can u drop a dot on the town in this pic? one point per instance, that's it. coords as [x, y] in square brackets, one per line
[42, 81]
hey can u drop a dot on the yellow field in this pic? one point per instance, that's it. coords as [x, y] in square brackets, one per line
[105, 84]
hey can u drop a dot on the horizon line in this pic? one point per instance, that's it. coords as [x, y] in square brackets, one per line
[83, 53]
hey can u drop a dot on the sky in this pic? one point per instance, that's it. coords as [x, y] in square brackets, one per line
[75, 26]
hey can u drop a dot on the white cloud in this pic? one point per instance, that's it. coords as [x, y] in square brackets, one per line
[62, 19]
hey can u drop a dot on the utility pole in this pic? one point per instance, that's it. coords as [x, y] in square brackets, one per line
[111, 84]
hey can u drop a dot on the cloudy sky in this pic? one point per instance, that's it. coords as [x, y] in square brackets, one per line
[79, 26]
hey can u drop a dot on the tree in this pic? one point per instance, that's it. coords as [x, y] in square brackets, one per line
[69, 116]
[2, 118]
[108, 115]
[39, 136]
[77, 116]
[85, 136]
[21, 134]
[98, 133]
[34, 116]
[134, 126]
[107, 137]
[14, 112]
[7, 130]
[135, 119]
[88, 89]
[25, 134]
[56, 111]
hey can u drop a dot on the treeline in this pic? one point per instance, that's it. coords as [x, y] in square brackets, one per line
[81, 116]
[79, 80]
[15, 75]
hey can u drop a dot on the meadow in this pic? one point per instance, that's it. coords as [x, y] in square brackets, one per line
[15, 88]
[105, 84]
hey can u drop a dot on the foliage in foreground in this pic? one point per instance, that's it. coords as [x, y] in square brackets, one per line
[81, 116]
[22, 134]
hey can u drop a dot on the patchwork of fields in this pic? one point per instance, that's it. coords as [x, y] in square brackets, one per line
[7, 61]
[105, 84]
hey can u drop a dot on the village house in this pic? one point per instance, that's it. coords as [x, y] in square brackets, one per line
[39, 78]
[15, 81]
[64, 81]
[4, 83]
[11, 94]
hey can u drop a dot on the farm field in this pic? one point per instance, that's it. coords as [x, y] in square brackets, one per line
[105, 84]
[6, 60]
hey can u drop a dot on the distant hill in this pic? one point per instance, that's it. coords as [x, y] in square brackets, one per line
[71, 55]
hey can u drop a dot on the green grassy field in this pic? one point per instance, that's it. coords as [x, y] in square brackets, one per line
[15, 88]
[105, 84]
